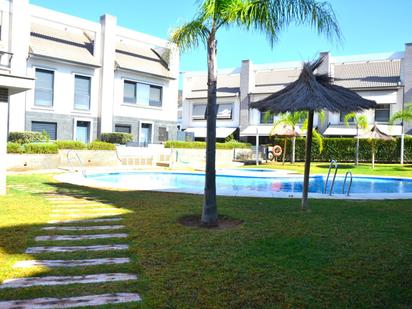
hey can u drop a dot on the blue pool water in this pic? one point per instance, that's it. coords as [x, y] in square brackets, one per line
[252, 183]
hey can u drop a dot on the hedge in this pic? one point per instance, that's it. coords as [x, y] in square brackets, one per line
[41, 148]
[344, 150]
[14, 148]
[98, 145]
[116, 138]
[26, 137]
[71, 145]
[202, 145]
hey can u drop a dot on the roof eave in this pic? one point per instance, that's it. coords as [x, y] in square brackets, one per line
[118, 67]
[87, 64]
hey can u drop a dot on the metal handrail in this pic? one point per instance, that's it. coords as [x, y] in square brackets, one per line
[350, 182]
[335, 163]
[78, 159]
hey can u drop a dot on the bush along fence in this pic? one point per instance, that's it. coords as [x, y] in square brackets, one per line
[37, 143]
[344, 150]
[202, 145]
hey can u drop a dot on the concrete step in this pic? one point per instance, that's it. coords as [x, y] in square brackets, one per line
[65, 280]
[79, 237]
[83, 228]
[71, 263]
[55, 249]
[71, 302]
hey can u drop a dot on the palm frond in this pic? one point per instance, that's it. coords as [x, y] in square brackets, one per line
[190, 35]
[403, 115]
[272, 16]
[349, 117]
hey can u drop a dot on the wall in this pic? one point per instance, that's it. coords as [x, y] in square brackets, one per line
[22, 162]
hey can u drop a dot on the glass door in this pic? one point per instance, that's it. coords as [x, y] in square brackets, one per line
[145, 134]
[83, 131]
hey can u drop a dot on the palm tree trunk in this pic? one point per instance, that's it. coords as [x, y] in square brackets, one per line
[308, 152]
[357, 145]
[284, 151]
[209, 213]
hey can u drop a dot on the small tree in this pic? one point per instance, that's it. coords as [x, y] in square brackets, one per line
[361, 122]
[292, 120]
[402, 116]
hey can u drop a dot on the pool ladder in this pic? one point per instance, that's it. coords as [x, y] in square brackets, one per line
[334, 163]
[70, 163]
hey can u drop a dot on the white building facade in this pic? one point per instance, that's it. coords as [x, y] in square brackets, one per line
[91, 78]
[385, 78]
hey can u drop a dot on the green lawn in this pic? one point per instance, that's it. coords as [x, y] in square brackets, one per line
[395, 170]
[339, 254]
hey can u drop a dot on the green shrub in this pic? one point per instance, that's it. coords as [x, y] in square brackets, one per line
[14, 148]
[26, 137]
[71, 145]
[202, 145]
[344, 150]
[41, 148]
[98, 145]
[116, 138]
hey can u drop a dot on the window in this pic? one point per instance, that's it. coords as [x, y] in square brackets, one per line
[142, 94]
[224, 111]
[199, 111]
[83, 131]
[163, 134]
[121, 128]
[265, 119]
[82, 92]
[382, 113]
[129, 92]
[43, 93]
[49, 127]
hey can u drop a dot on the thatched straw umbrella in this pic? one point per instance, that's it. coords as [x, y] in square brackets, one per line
[284, 130]
[373, 135]
[312, 92]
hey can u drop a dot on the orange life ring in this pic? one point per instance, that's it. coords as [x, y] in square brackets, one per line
[277, 151]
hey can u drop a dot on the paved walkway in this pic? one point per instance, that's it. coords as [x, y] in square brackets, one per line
[84, 218]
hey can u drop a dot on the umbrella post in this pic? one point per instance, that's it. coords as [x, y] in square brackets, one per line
[257, 146]
[308, 152]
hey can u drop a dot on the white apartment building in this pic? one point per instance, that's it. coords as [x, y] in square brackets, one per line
[90, 77]
[385, 78]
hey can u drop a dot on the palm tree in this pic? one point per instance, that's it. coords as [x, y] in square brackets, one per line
[403, 116]
[291, 120]
[361, 122]
[266, 16]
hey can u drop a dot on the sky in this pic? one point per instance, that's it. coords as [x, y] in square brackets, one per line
[368, 26]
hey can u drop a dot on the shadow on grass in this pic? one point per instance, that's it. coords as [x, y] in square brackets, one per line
[346, 166]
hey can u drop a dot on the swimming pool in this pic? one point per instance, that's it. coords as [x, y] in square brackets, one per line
[253, 183]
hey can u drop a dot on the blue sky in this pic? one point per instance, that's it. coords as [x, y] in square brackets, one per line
[368, 26]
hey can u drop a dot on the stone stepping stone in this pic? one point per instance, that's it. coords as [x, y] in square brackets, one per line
[71, 263]
[65, 280]
[83, 228]
[85, 215]
[71, 302]
[65, 210]
[79, 237]
[86, 221]
[54, 249]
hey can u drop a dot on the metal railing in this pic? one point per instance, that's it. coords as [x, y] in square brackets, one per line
[71, 165]
[350, 182]
[335, 164]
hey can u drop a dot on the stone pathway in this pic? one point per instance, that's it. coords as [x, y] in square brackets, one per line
[88, 211]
